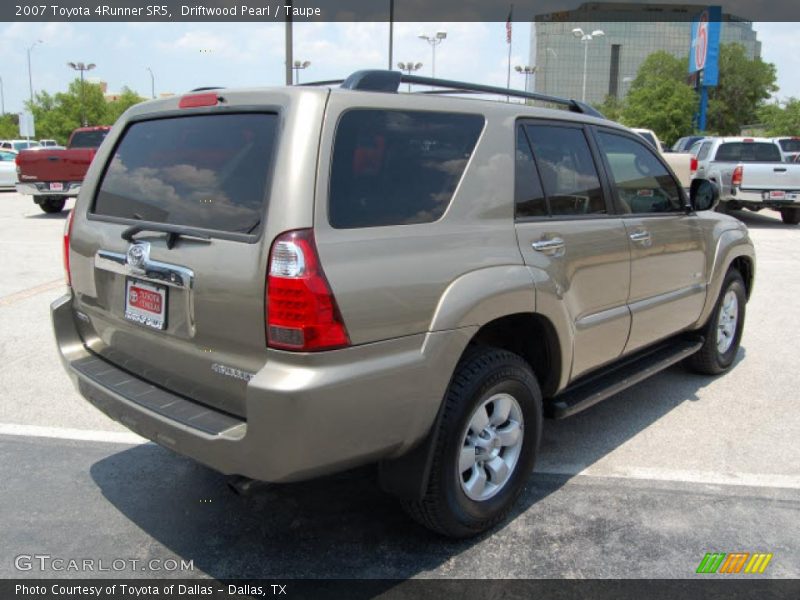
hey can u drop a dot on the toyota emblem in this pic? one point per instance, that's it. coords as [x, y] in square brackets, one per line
[136, 256]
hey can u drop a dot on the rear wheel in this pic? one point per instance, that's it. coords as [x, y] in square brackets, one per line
[52, 205]
[790, 216]
[486, 446]
[723, 332]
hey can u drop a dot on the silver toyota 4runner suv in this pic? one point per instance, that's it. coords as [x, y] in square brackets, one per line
[287, 282]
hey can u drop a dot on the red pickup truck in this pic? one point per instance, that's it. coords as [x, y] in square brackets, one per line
[52, 176]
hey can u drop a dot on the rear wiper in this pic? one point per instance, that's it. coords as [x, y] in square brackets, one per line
[173, 232]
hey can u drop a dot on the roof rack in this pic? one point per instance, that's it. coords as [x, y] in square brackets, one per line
[389, 81]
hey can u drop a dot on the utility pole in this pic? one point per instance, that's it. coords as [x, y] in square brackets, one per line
[152, 83]
[289, 45]
[82, 68]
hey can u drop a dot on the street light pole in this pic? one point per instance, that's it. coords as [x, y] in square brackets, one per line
[585, 39]
[30, 76]
[433, 40]
[410, 68]
[152, 83]
[299, 66]
[82, 68]
[527, 71]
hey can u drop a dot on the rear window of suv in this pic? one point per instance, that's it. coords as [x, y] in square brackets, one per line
[204, 171]
[748, 152]
[88, 139]
[398, 167]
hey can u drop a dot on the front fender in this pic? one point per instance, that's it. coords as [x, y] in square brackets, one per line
[731, 244]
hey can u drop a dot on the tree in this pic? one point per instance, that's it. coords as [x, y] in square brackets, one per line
[660, 99]
[611, 108]
[744, 85]
[9, 126]
[781, 120]
[125, 100]
[57, 115]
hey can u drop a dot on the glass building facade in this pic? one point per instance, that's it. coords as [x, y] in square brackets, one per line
[613, 59]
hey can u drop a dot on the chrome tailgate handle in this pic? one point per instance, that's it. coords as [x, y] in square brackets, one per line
[552, 247]
[642, 237]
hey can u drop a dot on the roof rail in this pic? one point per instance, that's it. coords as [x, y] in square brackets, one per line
[389, 81]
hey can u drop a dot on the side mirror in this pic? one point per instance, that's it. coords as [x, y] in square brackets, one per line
[704, 195]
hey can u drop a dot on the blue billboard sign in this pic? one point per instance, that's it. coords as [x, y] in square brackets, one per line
[704, 49]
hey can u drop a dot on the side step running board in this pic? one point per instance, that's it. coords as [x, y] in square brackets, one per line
[630, 372]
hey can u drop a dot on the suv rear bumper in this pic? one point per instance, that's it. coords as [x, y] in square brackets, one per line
[761, 197]
[39, 189]
[307, 414]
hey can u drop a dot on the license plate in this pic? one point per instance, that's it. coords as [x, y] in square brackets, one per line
[57, 187]
[777, 195]
[146, 303]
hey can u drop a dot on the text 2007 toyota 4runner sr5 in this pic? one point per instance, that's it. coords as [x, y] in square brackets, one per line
[283, 283]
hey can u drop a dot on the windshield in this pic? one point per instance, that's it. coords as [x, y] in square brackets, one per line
[205, 171]
[25, 145]
[748, 152]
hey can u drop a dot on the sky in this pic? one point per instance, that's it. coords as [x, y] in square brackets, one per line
[184, 56]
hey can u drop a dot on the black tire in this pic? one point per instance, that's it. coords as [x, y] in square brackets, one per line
[709, 360]
[481, 374]
[53, 205]
[790, 216]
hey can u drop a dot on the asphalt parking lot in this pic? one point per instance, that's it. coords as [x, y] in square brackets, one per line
[642, 485]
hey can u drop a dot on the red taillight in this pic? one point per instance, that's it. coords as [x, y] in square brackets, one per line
[196, 100]
[67, 234]
[748, 140]
[301, 310]
[693, 165]
[736, 180]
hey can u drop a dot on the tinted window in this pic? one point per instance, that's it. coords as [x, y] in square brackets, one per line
[25, 145]
[567, 170]
[790, 145]
[748, 152]
[87, 139]
[398, 167]
[7, 156]
[643, 184]
[206, 171]
[704, 150]
[528, 196]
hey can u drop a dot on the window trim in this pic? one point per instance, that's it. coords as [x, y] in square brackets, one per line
[522, 121]
[596, 130]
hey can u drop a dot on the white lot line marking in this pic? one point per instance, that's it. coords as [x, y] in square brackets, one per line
[704, 477]
[771, 480]
[22, 295]
[63, 433]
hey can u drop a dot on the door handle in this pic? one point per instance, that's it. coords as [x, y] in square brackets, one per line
[552, 247]
[642, 237]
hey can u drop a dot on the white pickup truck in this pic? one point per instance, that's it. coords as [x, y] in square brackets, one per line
[749, 173]
[681, 163]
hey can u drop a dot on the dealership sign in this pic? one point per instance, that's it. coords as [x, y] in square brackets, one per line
[704, 49]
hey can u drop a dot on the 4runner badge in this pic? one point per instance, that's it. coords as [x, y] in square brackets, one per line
[136, 255]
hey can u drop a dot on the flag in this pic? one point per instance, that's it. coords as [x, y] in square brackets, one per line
[508, 25]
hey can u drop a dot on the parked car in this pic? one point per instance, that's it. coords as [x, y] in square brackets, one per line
[750, 173]
[680, 163]
[51, 175]
[46, 143]
[8, 171]
[287, 282]
[790, 147]
[685, 143]
[18, 144]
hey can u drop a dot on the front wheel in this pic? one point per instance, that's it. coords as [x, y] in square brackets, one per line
[53, 205]
[790, 216]
[487, 442]
[723, 332]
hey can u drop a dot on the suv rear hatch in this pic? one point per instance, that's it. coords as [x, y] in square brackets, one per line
[184, 311]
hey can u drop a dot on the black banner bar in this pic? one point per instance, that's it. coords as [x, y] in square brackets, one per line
[730, 588]
[378, 10]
